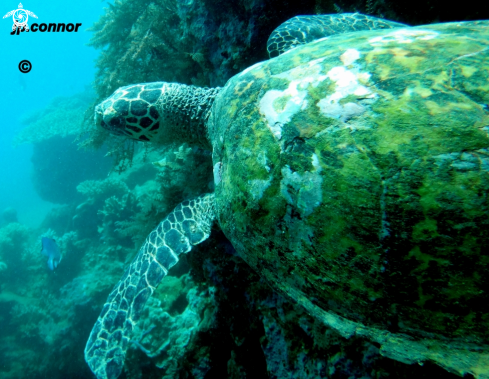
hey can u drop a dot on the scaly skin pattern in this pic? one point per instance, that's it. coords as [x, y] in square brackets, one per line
[355, 180]
[300, 30]
[189, 224]
[158, 112]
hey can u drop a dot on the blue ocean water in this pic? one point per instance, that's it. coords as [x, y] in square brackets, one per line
[62, 65]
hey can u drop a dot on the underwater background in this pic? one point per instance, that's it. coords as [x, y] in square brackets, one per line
[99, 196]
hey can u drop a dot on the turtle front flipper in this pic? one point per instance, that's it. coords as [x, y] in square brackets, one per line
[300, 30]
[189, 224]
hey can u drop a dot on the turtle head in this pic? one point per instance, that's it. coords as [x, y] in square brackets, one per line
[131, 111]
[158, 112]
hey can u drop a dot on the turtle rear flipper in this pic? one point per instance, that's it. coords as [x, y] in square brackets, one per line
[189, 224]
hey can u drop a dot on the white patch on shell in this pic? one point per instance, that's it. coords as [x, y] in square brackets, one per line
[403, 36]
[347, 83]
[315, 163]
[277, 118]
[217, 170]
[349, 56]
[278, 107]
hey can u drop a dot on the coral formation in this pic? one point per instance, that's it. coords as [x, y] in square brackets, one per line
[14, 247]
[58, 164]
[62, 117]
[95, 190]
[170, 324]
[9, 215]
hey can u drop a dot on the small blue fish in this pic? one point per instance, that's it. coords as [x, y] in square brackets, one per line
[50, 249]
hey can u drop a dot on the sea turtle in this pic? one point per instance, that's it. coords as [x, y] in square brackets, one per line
[351, 172]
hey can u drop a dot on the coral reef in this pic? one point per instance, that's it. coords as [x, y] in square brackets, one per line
[9, 215]
[58, 164]
[62, 117]
[89, 215]
[97, 236]
[115, 211]
[14, 248]
[170, 324]
[94, 190]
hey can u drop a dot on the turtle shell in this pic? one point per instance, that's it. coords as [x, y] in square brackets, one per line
[352, 173]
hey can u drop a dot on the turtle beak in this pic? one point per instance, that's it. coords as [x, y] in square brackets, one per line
[109, 120]
[99, 118]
